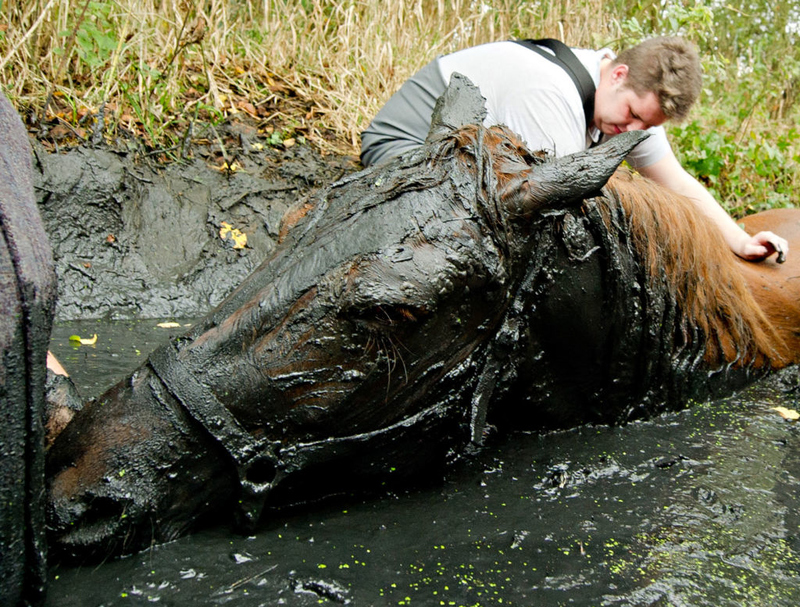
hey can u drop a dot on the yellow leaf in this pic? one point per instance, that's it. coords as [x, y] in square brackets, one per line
[239, 239]
[289, 142]
[168, 325]
[90, 341]
[233, 236]
[229, 168]
[785, 413]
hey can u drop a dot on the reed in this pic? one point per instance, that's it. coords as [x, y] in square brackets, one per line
[321, 68]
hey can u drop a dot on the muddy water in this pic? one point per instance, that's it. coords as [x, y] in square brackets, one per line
[121, 347]
[694, 508]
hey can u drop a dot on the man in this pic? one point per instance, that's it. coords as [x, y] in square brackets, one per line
[640, 89]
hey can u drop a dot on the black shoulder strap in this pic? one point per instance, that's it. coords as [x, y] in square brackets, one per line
[566, 59]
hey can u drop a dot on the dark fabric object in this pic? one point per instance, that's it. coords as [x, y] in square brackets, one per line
[27, 304]
[566, 59]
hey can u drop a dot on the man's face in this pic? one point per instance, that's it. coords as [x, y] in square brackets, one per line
[618, 109]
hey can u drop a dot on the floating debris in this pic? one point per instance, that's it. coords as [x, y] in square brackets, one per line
[785, 413]
[84, 341]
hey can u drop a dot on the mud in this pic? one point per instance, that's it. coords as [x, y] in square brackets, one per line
[691, 508]
[134, 237]
[27, 302]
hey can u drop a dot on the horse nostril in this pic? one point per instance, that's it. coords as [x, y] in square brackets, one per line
[261, 472]
[104, 510]
[63, 514]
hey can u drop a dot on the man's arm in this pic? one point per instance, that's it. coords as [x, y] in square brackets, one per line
[669, 173]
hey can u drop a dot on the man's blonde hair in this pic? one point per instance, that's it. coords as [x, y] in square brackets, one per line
[668, 67]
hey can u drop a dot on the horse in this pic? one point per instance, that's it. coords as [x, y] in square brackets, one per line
[411, 309]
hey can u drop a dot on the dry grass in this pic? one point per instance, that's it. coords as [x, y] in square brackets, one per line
[321, 69]
[310, 67]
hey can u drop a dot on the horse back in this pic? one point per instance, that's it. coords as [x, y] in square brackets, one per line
[776, 287]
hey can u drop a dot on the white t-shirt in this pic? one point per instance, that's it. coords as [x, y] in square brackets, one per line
[538, 100]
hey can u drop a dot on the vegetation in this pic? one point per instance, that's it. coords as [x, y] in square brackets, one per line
[320, 69]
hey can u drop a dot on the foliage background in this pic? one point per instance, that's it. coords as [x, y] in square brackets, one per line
[318, 70]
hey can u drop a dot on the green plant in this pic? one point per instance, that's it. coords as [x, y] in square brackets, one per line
[94, 41]
[747, 174]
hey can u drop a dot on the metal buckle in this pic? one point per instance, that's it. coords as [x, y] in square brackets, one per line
[257, 464]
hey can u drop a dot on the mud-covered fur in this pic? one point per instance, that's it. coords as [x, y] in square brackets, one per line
[682, 246]
[407, 305]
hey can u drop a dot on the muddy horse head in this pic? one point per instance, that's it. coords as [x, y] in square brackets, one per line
[408, 307]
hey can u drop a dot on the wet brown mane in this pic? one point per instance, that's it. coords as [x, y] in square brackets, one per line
[679, 243]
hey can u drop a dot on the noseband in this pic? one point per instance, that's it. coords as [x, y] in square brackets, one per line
[262, 464]
[257, 465]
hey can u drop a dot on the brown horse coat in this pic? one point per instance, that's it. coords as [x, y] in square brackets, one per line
[776, 287]
[728, 299]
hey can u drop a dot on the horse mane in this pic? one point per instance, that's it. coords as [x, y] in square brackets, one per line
[682, 245]
[676, 245]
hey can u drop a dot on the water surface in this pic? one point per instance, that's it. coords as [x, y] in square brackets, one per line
[697, 508]
[121, 347]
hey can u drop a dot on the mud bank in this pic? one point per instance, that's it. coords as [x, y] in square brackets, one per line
[135, 238]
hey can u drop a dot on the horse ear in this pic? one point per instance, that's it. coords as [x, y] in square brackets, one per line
[562, 181]
[460, 105]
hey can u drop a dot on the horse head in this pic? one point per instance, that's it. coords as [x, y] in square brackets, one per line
[410, 307]
[366, 332]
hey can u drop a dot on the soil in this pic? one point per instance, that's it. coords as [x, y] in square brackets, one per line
[135, 236]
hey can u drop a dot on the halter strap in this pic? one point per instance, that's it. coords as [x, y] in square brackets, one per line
[258, 467]
[566, 59]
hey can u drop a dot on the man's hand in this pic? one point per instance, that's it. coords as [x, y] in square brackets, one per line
[762, 245]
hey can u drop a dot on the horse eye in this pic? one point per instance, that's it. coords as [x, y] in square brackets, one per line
[389, 315]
